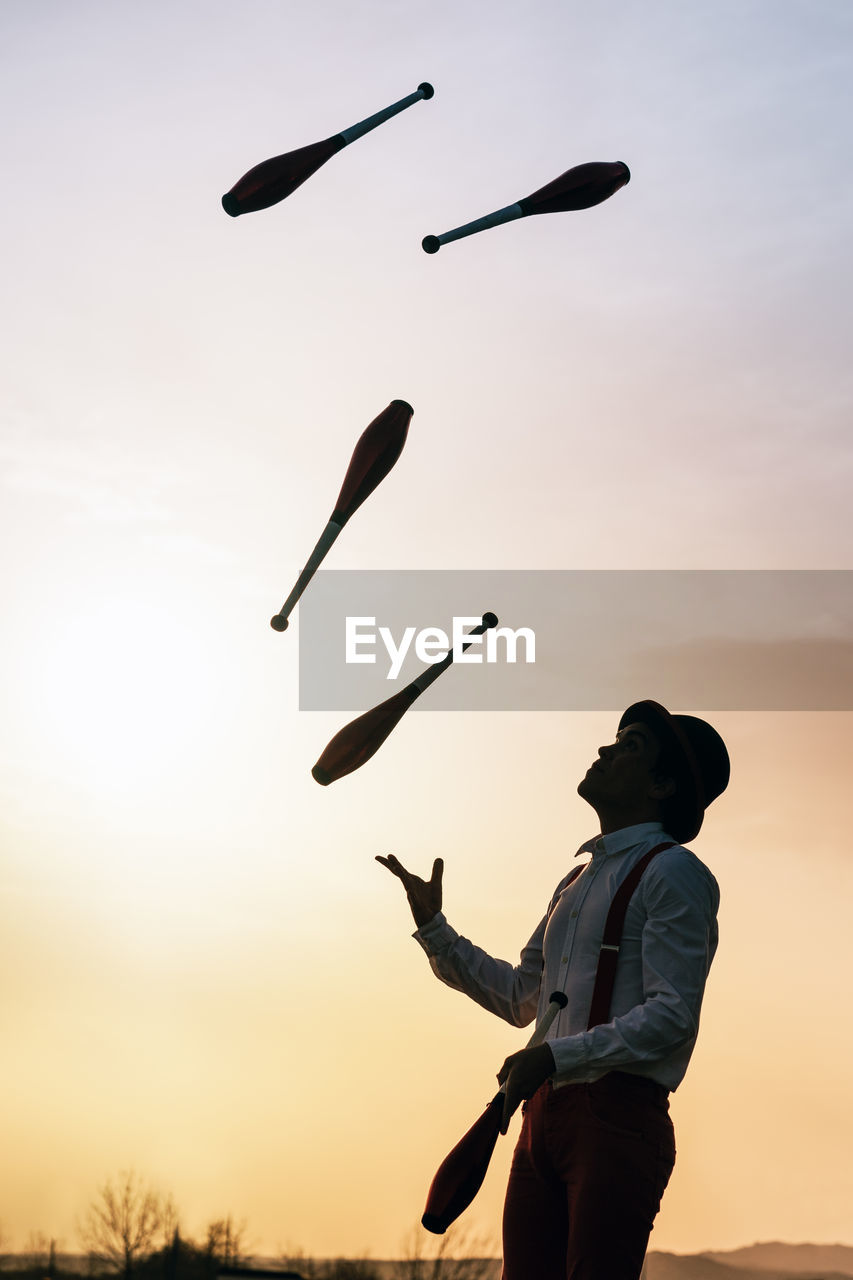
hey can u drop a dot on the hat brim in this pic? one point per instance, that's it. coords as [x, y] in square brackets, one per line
[686, 809]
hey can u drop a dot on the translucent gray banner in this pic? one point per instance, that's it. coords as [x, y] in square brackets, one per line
[712, 640]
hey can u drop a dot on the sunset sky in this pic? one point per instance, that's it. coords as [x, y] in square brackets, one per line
[205, 975]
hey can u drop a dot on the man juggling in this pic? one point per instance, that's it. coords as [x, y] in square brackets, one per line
[628, 938]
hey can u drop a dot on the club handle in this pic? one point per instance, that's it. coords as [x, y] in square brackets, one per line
[432, 673]
[279, 621]
[432, 244]
[423, 91]
[556, 1001]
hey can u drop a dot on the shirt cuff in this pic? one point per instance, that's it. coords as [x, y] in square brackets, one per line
[436, 935]
[569, 1053]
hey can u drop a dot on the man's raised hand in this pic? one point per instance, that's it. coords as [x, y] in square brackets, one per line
[424, 895]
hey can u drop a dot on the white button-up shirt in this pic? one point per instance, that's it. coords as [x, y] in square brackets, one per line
[668, 943]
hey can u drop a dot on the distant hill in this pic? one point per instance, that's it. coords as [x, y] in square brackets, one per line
[696, 1266]
[691, 1266]
[817, 1259]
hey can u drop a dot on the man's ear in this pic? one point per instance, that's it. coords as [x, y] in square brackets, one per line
[662, 787]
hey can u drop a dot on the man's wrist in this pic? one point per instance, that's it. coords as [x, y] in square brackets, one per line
[435, 936]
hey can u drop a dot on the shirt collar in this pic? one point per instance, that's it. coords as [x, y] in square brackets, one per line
[617, 841]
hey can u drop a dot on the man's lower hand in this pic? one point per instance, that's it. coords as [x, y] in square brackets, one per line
[524, 1072]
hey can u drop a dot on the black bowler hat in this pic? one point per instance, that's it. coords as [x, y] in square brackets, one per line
[700, 763]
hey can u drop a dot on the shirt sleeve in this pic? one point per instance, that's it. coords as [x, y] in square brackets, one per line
[510, 991]
[679, 939]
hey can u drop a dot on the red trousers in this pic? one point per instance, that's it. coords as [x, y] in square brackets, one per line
[587, 1178]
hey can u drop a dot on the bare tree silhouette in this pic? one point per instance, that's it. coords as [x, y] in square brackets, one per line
[225, 1244]
[456, 1255]
[39, 1255]
[295, 1262]
[124, 1223]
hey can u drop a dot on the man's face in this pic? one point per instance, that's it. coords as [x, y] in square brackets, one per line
[623, 778]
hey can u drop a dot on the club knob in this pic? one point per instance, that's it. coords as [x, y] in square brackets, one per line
[558, 997]
[278, 623]
[321, 776]
[231, 205]
[430, 244]
[426, 89]
[490, 620]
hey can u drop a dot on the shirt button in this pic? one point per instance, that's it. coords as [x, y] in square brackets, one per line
[564, 960]
[574, 913]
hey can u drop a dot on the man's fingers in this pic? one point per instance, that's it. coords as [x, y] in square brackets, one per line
[394, 866]
[510, 1104]
[437, 873]
[508, 1065]
[512, 1072]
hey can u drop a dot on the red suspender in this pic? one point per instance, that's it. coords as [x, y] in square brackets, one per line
[605, 977]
